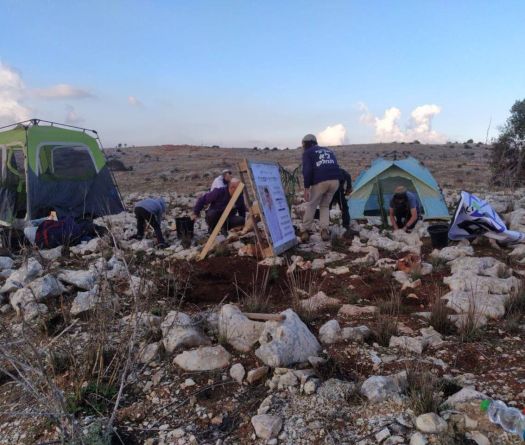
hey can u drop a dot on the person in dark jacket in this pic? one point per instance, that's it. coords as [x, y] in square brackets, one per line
[340, 197]
[151, 211]
[217, 200]
[321, 175]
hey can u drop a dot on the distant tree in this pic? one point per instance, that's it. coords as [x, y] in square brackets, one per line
[255, 148]
[119, 145]
[125, 145]
[470, 141]
[508, 151]
[266, 148]
[416, 142]
[274, 149]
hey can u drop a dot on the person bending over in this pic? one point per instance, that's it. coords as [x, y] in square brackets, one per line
[216, 202]
[151, 211]
[404, 209]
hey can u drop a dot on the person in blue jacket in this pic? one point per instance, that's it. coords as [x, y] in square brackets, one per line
[151, 211]
[321, 175]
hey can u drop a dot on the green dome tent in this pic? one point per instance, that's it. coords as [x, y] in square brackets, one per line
[44, 164]
[373, 189]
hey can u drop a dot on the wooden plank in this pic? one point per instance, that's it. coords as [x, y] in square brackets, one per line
[265, 317]
[222, 220]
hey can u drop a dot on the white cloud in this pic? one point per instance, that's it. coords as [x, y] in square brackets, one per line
[72, 117]
[419, 126]
[62, 91]
[332, 135]
[134, 102]
[12, 90]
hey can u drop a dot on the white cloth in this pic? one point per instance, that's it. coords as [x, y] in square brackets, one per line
[218, 183]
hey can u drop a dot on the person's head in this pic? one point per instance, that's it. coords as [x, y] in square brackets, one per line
[227, 175]
[400, 194]
[309, 141]
[233, 184]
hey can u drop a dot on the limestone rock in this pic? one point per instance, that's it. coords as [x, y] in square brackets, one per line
[453, 252]
[359, 333]
[465, 395]
[149, 353]
[83, 279]
[257, 374]
[237, 373]
[21, 298]
[330, 332]
[378, 388]
[431, 423]
[351, 310]
[319, 302]
[237, 329]
[412, 344]
[286, 342]
[88, 301]
[336, 391]
[418, 439]
[266, 426]
[207, 358]
[6, 263]
[19, 278]
[178, 331]
[47, 286]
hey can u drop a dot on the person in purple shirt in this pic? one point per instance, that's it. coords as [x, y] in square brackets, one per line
[217, 200]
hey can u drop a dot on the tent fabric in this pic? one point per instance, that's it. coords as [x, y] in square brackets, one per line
[56, 167]
[374, 188]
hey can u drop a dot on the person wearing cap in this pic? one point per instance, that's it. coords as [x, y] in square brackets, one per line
[404, 210]
[217, 200]
[321, 175]
[151, 211]
[222, 180]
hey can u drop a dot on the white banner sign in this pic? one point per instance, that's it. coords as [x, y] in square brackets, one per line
[273, 204]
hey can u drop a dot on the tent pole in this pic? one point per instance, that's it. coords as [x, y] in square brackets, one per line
[381, 203]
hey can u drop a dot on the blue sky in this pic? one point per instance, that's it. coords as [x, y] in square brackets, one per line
[247, 73]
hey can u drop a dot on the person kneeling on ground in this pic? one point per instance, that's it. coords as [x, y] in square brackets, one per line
[404, 209]
[217, 200]
[52, 231]
[151, 211]
[222, 181]
[321, 175]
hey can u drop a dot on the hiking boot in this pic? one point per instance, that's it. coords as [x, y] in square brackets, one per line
[305, 236]
[325, 235]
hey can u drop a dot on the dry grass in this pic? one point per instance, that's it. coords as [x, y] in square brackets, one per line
[439, 318]
[387, 319]
[256, 298]
[424, 391]
[470, 329]
[302, 285]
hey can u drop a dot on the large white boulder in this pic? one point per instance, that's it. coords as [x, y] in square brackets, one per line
[179, 331]
[286, 342]
[237, 329]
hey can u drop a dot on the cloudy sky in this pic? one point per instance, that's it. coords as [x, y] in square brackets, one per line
[246, 73]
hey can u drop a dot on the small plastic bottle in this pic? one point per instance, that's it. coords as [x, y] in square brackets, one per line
[509, 418]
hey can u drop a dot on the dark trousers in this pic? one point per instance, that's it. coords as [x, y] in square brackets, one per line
[402, 216]
[340, 199]
[213, 216]
[143, 217]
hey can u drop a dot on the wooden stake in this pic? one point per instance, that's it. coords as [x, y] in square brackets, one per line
[222, 220]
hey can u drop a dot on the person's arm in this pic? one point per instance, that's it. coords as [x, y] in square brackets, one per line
[308, 173]
[393, 219]
[413, 218]
[203, 201]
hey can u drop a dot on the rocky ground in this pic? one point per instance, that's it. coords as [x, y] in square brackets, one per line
[365, 346]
